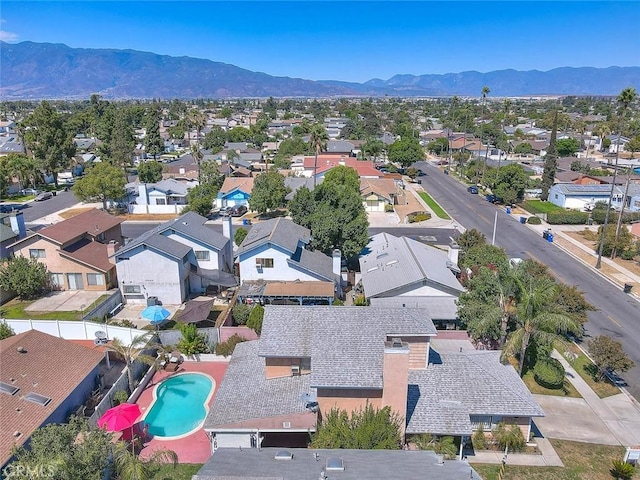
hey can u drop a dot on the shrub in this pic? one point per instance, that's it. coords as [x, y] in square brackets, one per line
[388, 208]
[255, 319]
[549, 373]
[479, 440]
[511, 437]
[534, 220]
[240, 313]
[622, 470]
[338, 303]
[6, 331]
[227, 348]
[569, 217]
[240, 235]
[418, 217]
[121, 396]
[445, 446]
[598, 215]
[192, 342]
[25, 276]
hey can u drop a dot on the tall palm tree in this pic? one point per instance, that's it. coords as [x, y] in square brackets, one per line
[318, 140]
[485, 91]
[129, 466]
[133, 352]
[536, 317]
[198, 120]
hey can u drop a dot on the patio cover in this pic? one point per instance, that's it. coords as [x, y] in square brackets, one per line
[216, 277]
[196, 310]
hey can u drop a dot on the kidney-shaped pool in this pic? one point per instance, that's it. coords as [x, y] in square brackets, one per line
[179, 406]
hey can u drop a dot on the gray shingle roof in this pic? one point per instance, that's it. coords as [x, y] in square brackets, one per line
[396, 262]
[254, 464]
[245, 394]
[341, 355]
[278, 231]
[581, 190]
[315, 262]
[442, 396]
[436, 308]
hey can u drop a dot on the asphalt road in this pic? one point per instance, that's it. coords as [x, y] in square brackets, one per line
[618, 314]
[35, 210]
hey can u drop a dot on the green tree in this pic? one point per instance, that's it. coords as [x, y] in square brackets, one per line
[438, 146]
[215, 139]
[406, 151]
[255, 319]
[48, 139]
[318, 141]
[121, 141]
[471, 238]
[301, 207]
[240, 313]
[608, 355]
[150, 171]
[192, 342]
[484, 256]
[523, 148]
[623, 243]
[550, 161]
[133, 352]
[633, 146]
[55, 451]
[511, 181]
[292, 146]
[567, 147]
[6, 331]
[238, 135]
[153, 142]
[102, 182]
[240, 235]
[365, 429]
[25, 276]
[268, 192]
[26, 169]
[129, 466]
[200, 200]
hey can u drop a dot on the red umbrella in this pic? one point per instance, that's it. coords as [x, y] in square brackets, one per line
[120, 417]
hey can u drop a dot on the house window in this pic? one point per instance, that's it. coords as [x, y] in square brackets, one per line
[264, 262]
[131, 289]
[37, 253]
[202, 255]
[161, 201]
[57, 280]
[95, 279]
[482, 422]
[101, 237]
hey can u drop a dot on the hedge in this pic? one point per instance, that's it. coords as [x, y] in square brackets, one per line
[418, 217]
[549, 373]
[627, 217]
[569, 217]
[534, 220]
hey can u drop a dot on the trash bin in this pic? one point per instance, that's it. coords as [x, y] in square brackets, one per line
[246, 221]
[54, 193]
[151, 301]
[508, 210]
[550, 237]
[523, 220]
[545, 234]
[627, 288]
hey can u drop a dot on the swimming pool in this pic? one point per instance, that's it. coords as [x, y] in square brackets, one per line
[180, 405]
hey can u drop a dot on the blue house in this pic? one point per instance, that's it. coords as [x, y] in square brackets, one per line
[235, 191]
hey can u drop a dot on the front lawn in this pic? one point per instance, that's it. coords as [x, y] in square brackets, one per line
[433, 205]
[588, 371]
[567, 389]
[538, 206]
[582, 461]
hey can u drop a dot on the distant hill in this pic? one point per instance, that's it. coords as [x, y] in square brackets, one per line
[31, 70]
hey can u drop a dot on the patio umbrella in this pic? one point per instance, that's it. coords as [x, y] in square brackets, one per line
[156, 314]
[196, 310]
[119, 417]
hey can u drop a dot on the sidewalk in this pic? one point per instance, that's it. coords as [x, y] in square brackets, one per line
[546, 458]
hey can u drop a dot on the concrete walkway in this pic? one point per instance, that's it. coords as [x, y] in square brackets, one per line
[546, 458]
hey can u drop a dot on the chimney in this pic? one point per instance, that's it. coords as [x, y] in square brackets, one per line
[227, 227]
[337, 260]
[181, 170]
[17, 225]
[142, 195]
[112, 248]
[395, 379]
[453, 252]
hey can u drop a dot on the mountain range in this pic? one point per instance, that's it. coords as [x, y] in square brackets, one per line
[30, 70]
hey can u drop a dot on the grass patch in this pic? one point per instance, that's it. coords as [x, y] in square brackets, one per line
[20, 198]
[588, 371]
[567, 389]
[538, 206]
[582, 461]
[15, 309]
[74, 211]
[183, 471]
[433, 205]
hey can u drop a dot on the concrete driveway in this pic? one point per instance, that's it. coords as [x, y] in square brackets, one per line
[65, 301]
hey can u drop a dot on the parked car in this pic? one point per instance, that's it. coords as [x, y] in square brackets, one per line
[473, 189]
[6, 208]
[224, 211]
[237, 211]
[28, 191]
[43, 196]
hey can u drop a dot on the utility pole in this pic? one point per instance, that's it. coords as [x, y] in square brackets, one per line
[606, 215]
[619, 224]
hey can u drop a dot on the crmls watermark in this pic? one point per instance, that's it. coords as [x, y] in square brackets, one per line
[27, 472]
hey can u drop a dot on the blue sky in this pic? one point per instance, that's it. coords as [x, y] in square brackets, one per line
[350, 41]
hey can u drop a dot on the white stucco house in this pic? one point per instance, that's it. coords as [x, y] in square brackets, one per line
[166, 196]
[177, 259]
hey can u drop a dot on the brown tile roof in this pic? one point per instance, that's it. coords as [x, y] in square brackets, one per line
[93, 254]
[52, 367]
[93, 222]
[243, 183]
[385, 187]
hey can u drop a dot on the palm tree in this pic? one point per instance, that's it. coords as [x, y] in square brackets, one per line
[129, 466]
[536, 317]
[197, 119]
[133, 352]
[485, 91]
[318, 140]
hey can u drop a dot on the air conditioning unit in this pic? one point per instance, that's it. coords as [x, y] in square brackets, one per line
[295, 370]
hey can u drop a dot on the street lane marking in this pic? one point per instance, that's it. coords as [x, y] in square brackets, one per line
[614, 320]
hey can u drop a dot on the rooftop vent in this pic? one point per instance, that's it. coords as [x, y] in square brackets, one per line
[286, 424]
[17, 434]
[335, 464]
[21, 349]
[284, 455]
[37, 398]
[396, 342]
[9, 389]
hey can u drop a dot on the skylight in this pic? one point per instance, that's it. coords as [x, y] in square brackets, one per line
[335, 464]
[9, 389]
[37, 398]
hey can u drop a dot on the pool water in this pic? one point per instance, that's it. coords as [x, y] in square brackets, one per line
[180, 405]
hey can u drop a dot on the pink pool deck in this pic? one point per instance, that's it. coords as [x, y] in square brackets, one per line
[194, 448]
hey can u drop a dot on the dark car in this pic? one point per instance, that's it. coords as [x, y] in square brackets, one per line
[473, 189]
[237, 211]
[43, 196]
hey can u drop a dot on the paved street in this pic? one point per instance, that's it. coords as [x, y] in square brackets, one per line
[618, 314]
[35, 210]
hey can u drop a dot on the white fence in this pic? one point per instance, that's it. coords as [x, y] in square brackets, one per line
[137, 209]
[70, 330]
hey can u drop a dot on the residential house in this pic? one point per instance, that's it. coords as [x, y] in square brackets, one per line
[310, 360]
[377, 193]
[311, 168]
[165, 196]
[175, 260]
[12, 229]
[234, 191]
[339, 148]
[76, 251]
[569, 195]
[43, 379]
[295, 183]
[277, 250]
[402, 272]
[303, 464]
[617, 140]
